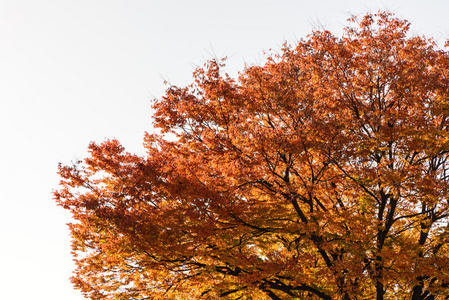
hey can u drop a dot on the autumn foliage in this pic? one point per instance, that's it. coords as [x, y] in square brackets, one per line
[322, 174]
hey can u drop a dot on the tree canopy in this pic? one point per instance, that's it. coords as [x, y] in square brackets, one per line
[322, 174]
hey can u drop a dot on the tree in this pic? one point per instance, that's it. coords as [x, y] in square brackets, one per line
[322, 174]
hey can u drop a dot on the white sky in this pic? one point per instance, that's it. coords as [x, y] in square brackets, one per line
[82, 70]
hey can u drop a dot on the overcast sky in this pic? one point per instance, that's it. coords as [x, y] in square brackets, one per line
[77, 71]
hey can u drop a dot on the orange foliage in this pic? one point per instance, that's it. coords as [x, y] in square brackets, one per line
[319, 175]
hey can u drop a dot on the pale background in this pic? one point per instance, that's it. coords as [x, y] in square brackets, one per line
[77, 71]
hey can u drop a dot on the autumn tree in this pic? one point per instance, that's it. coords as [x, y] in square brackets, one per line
[322, 174]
